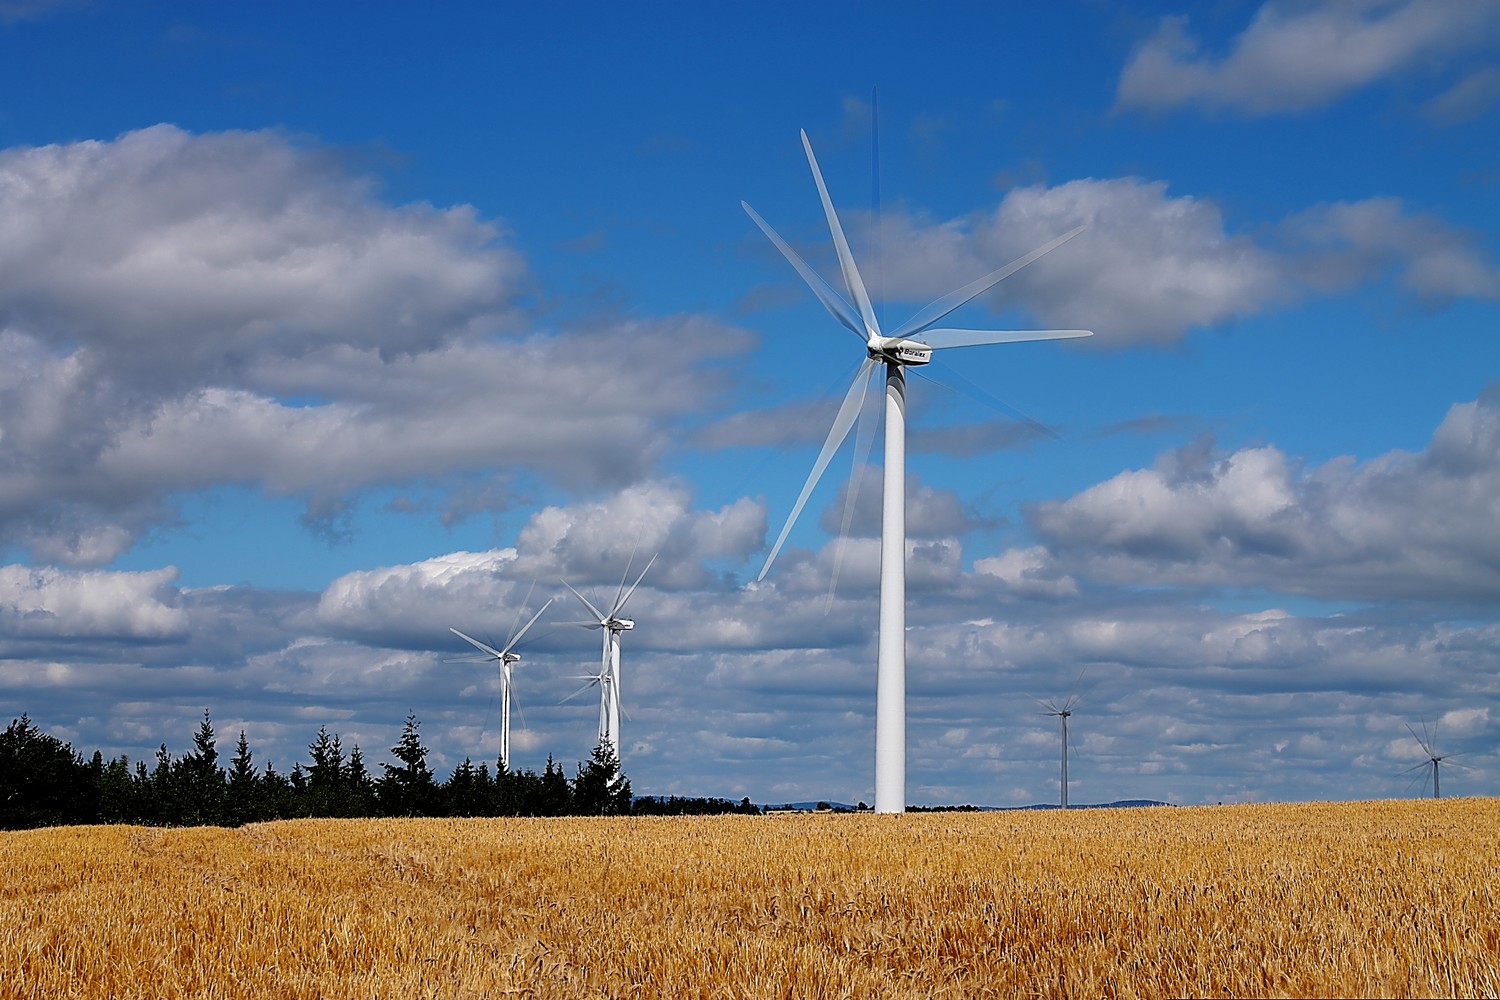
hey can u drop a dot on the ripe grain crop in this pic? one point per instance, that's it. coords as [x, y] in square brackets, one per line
[1358, 899]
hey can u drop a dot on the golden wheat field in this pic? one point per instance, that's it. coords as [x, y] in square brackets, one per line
[1359, 899]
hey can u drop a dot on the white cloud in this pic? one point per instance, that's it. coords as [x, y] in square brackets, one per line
[1028, 572]
[592, 542]
[1152, 266]
[1466, 100]
[48, 602]
[1149, 266]
[182, 311]
[1353, 241]
[1401, 525]
[177, 254]
[1296, 56]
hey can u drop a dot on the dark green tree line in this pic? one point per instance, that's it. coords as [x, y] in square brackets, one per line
[44, 782]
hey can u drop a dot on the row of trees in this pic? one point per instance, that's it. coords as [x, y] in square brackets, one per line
[43, 782]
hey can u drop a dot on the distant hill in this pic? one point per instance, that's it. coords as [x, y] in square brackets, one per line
[811, 806]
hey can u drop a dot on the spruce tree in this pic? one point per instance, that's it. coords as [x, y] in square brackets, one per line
[408, 789]
[199, 784]
[599, 789]
[42, 782]
[243, 803]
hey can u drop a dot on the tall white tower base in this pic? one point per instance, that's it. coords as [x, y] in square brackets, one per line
[890, 689]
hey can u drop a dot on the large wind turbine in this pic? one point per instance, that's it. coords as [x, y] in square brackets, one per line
[611, 625]
[912, 343]
[507, 659]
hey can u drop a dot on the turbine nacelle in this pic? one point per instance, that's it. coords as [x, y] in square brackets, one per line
[898, 350]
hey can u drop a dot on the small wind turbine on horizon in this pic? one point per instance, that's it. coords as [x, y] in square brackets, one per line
[611, 625]
[909, 344]
[506, 658]
[1063, 712]
[1428, 742]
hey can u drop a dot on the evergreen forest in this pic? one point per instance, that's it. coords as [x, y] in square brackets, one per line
[45, 782]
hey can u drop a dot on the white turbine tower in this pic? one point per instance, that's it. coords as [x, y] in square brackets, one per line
[611, 625]
[506, 659]
[894, 351]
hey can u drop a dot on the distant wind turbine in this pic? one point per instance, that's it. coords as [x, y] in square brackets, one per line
[611, 625]
[1063, 712]
[1428, 742]
[506, 659]
[894, 352]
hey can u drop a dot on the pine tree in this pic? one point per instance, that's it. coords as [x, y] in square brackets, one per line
[326, 776]
[42, 782]
[599, 789]
[243, 804]
[554, 796]
[360, 786]
[199, 790]
[408, 789]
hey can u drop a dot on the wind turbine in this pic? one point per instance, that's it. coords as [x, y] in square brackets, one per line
[1429, 747]
[610, 625]
[1063, 712]
[507, 659]
[603, 681]
[910, 344]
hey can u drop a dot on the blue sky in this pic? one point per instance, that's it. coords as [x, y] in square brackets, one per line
[324, 330]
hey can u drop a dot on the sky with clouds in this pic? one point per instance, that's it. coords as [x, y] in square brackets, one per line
[325, 329]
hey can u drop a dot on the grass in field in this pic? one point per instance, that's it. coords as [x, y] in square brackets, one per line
[1361, 899]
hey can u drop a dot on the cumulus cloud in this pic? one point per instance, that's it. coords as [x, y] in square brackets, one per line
[1149, 266]
[1296, 56]
[1403, 525]
[175, 254]
[1028, 572]
[47, 602]
[1152, 266]
[1355, 241]
[591, 543]
[182, 311]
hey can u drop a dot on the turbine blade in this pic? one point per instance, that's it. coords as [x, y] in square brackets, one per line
[517, 637]
[875, 186]
[852, 279]
[620, 590]
[863, 440]
[520, 610]
[945, 305]
[1424, 742]
[835, 303]
[620, 605]
[592, 610]
[942, 339]
[580, 691]
[491, 650]
[836, 434]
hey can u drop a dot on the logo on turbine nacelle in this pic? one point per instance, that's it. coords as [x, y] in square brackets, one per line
[911, 352]
[622, 624]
